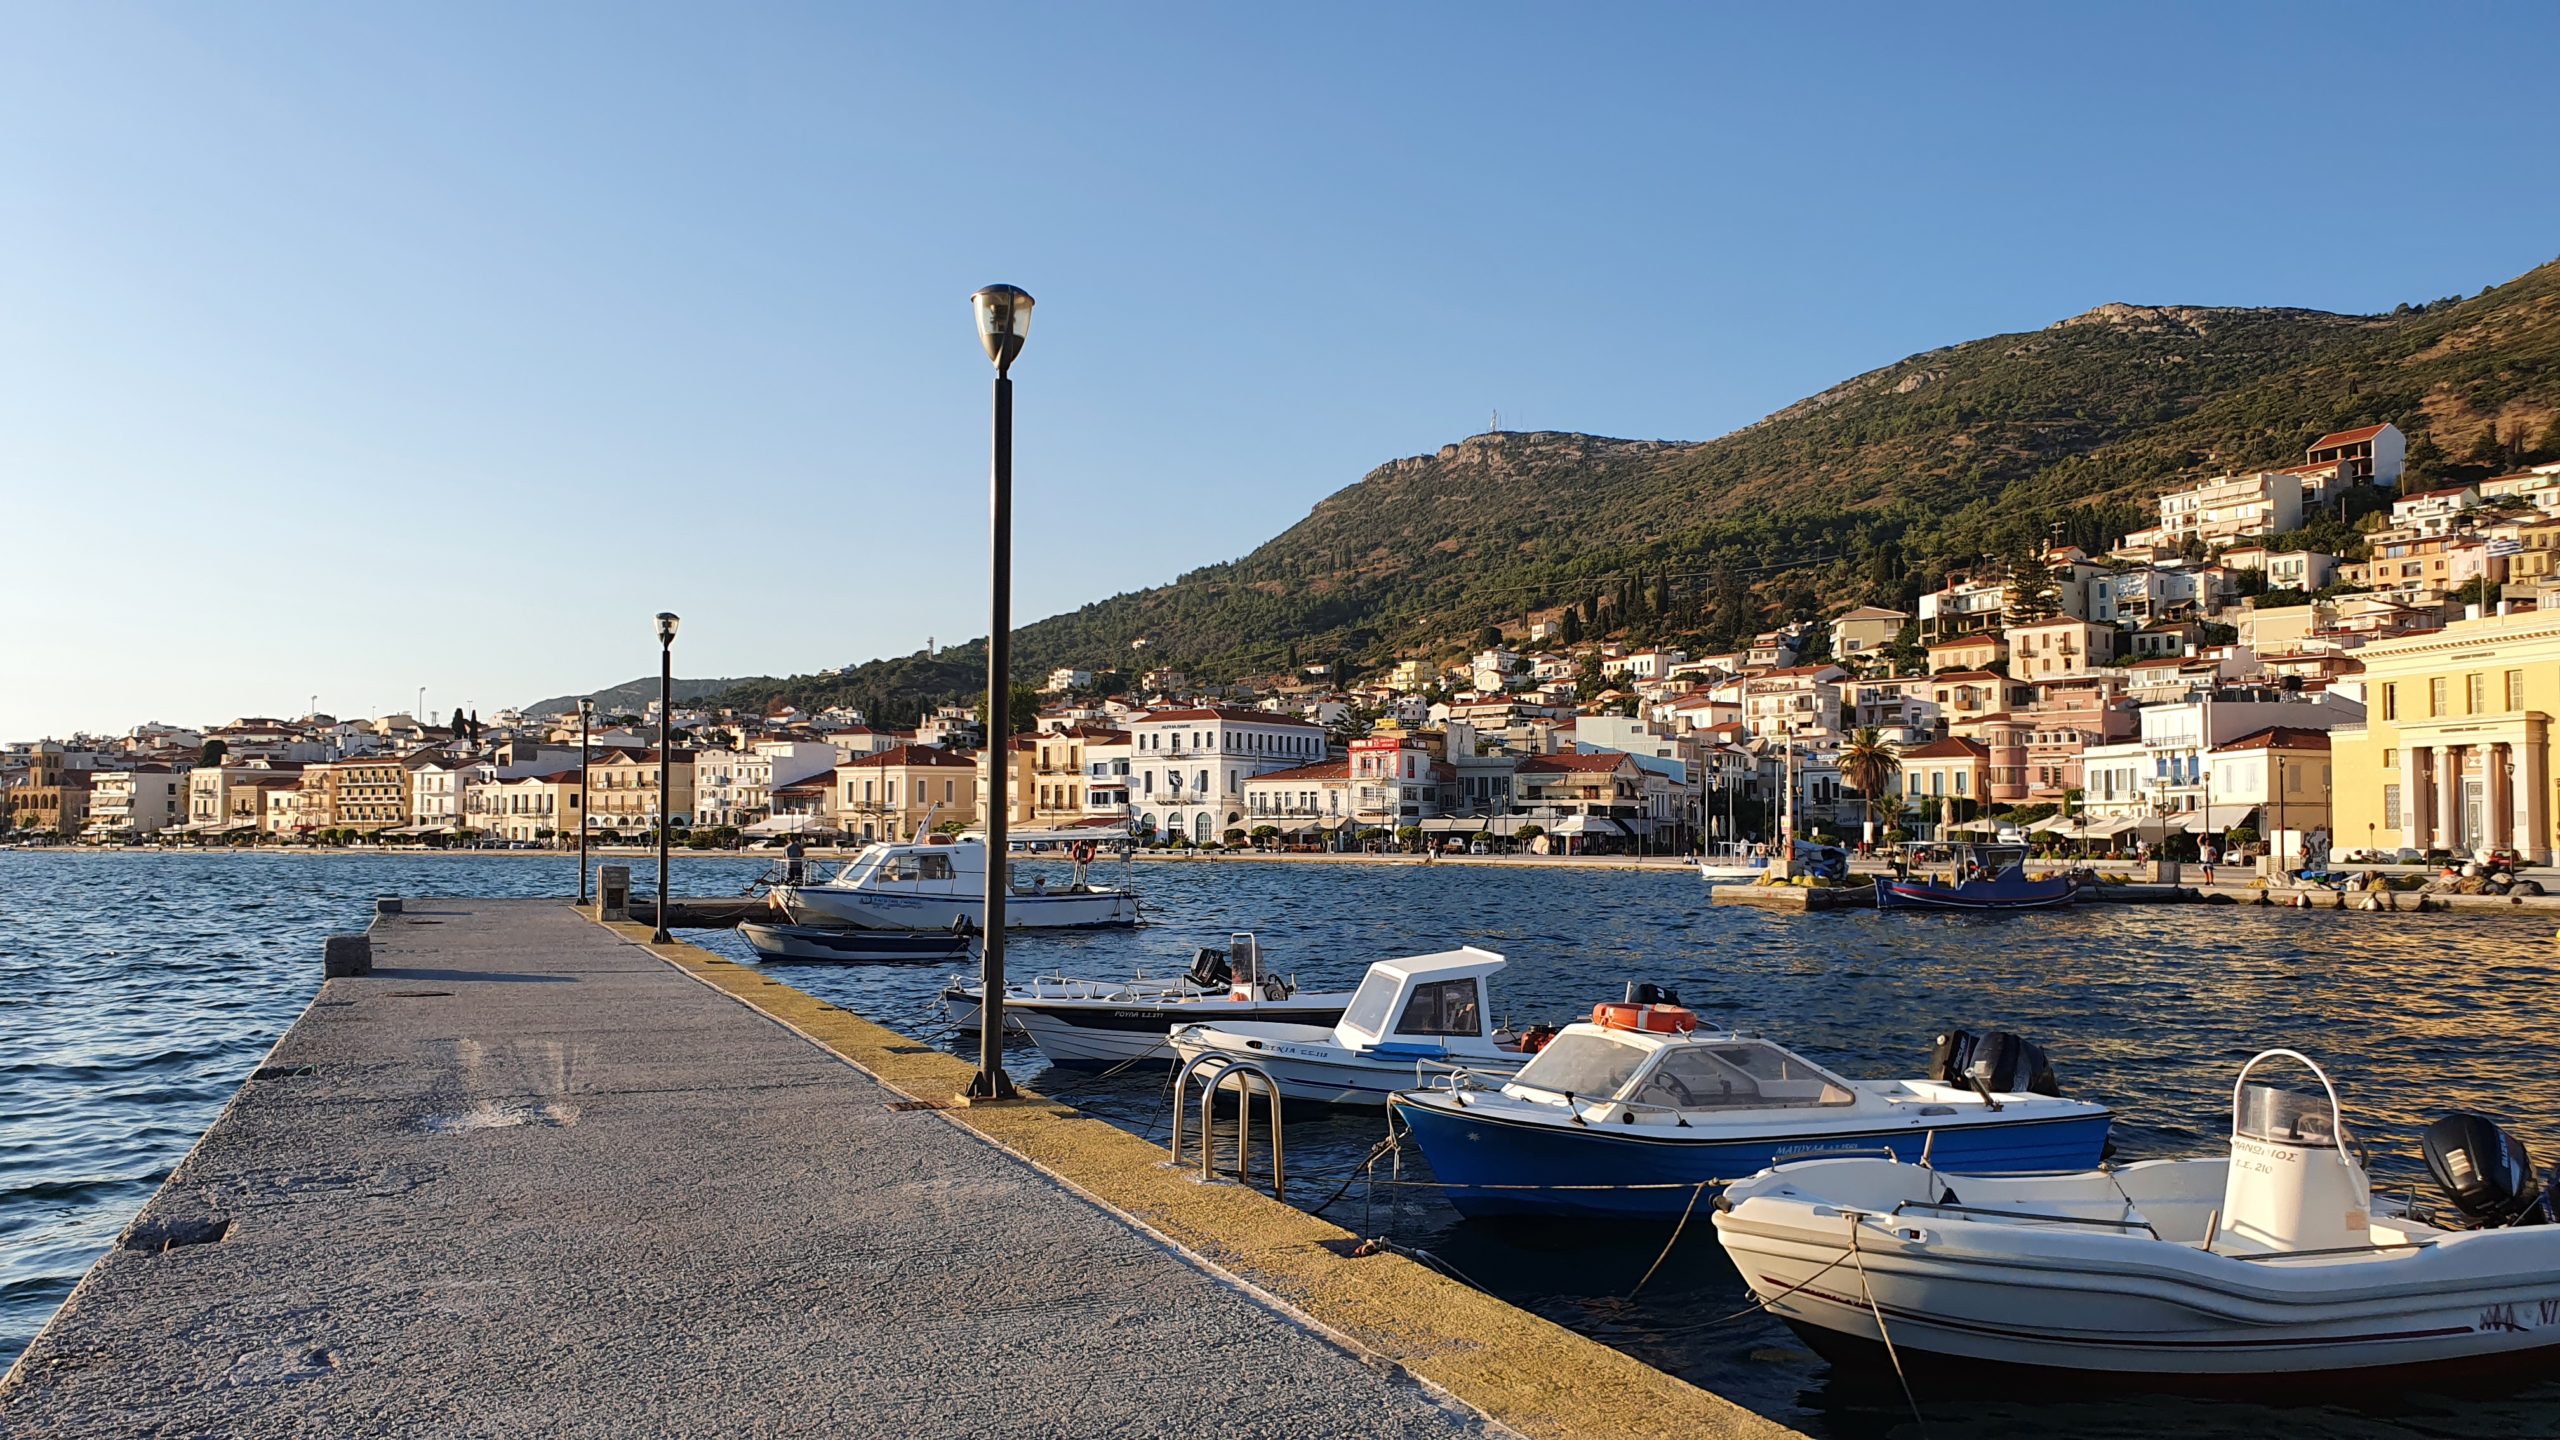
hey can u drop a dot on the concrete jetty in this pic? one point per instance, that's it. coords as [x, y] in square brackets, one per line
[529, 1176]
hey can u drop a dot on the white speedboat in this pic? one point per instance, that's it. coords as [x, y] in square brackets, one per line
[1408, 1017]
[1114, 1029]
[1631, 1115]
[1731, 862]
[941, 884]
[2272, 1260]
[1209, 974]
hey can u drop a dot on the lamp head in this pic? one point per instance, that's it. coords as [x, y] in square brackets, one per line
[1004, 319]
[667, 623]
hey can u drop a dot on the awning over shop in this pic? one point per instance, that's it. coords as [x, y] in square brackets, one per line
[1450, 824]
[1973, 827]
[792, 824]
[2225, 817]
[1587, 825]
[2064, 824]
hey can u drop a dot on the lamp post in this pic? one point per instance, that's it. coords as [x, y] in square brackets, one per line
[586, 727]
[666, 717]
[1004, 318]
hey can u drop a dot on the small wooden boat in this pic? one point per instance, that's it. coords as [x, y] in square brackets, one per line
[1979, 877]
[2275, 1260]
[840, 945]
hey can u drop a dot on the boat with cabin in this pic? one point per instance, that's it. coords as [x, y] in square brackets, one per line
[1409, 1018]
[1122, 1027]
[2274, 1259]
[1634, 1113]
[1975, 876]
[939, 883]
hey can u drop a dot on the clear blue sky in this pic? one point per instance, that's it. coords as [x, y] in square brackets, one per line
[346, 349]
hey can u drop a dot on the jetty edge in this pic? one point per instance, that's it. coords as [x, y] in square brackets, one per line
[1522, 1371]
[527, 1174]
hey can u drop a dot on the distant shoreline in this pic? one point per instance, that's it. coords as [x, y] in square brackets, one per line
[1164, 857]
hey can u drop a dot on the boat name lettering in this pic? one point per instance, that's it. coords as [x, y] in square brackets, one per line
[2551, 1312]
[1784, 1151]
[2502, 1316]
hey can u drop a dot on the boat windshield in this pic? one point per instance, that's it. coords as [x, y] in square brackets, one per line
[2286, 1117]
[1367, 1012]
[1737, 1075]
[1583, 1065]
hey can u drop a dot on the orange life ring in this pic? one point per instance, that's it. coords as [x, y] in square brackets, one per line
[1083, 852]
[1658, 1019]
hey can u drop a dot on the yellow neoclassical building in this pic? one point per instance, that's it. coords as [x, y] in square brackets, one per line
[2455, 751]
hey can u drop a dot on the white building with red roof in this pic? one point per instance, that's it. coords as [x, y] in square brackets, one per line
[1188, 767]
[2366, 455]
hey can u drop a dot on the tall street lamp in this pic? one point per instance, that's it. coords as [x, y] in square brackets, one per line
[666, 716]
[1004, 318]
[586, 727]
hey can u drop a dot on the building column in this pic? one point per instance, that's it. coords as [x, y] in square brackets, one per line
[2412, 829]
[2448, 796]
[2525, 781]
[2497, 793]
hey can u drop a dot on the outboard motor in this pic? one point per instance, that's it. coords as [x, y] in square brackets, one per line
[1208, 968]
[2487, 1173]
[2003, 1063]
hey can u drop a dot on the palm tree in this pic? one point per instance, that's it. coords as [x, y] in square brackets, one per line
[1889, 805]
[1869, 762]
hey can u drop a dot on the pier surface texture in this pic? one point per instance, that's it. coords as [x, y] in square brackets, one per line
[529, 1177]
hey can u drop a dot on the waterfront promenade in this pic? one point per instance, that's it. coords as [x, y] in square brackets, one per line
[532, 1177]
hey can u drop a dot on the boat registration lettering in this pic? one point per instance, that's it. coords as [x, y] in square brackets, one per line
[1785, 1152]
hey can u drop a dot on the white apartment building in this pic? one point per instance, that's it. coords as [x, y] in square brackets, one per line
[1066, 679]
[2226, 510]
[142, 801]
[2433, 512]
[436, 792]
[1187, 768]
[1801, 700]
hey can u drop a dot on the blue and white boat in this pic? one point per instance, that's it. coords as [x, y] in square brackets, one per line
[1980, 877]
[1630, 1117]
[1408, 1018]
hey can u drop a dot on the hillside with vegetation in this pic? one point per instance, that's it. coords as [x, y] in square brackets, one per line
[1872, 490]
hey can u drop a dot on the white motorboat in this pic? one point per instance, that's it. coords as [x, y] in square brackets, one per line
[1208, 975]
[1409, 1016]
[2272, 1260]
[1634, 1114]
[1731, 862]
[940, 884]
[1115, 1029]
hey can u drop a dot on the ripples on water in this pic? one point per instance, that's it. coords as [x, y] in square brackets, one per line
[138, 991]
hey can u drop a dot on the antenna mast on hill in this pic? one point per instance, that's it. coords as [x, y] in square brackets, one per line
[1497, 423]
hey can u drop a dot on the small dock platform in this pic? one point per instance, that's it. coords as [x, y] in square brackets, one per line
[1797, 899]
[532, 1176]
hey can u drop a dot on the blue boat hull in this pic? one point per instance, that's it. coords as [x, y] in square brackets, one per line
[1493, 1167]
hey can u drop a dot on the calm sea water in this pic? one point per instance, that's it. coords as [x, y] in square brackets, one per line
[136, 992]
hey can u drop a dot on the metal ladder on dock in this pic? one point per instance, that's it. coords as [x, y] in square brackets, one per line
[1215, 1072]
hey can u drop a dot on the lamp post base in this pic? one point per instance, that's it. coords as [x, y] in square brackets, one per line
[982, 1092]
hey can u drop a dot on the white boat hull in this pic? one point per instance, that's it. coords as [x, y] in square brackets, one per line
[960, 1000]
[1112, 1032]
[1315, 1070]
[2091, 1298]
[879, 910]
